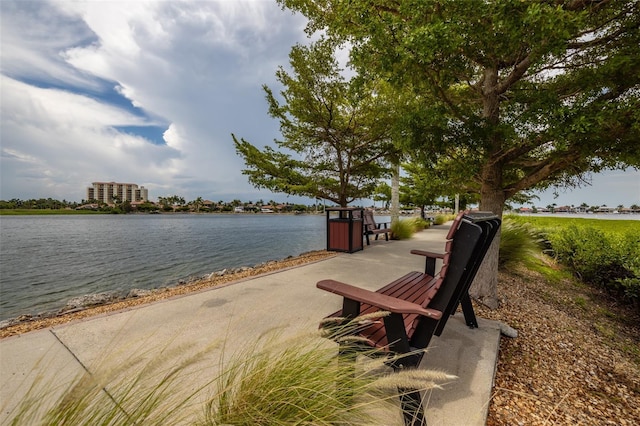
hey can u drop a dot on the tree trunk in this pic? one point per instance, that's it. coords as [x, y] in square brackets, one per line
[395, 194]
[492, 198]
[484, 287]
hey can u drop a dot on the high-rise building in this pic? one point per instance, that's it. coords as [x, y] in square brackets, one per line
[106, 191]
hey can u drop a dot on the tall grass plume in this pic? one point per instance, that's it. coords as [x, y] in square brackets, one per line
[270, 381]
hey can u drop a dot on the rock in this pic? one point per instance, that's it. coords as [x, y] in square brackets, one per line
[138, 292]
[8, 323]
[507, 331]
[92, 300]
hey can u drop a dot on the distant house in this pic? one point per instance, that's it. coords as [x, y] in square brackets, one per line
[238, 209]
[605, 209]
[563, 209]
[266, 210]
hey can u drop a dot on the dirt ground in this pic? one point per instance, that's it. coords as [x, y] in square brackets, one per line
[576, 360]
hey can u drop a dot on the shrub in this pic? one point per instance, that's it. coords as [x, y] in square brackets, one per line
[593, 257]
[417, 223]
[604, 253]
[402, 229]
[440, 219]
[443, 218]
[631, 288]
[518, 242]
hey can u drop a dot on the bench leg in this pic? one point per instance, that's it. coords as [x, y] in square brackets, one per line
[467, 310]
[412, 409]
[410, 399]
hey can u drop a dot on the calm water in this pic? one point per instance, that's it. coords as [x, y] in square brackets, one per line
[47, 260]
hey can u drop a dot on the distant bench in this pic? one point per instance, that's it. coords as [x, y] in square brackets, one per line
[421, 302]
[373, 228]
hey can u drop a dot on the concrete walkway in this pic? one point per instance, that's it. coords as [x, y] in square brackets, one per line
[242, 311]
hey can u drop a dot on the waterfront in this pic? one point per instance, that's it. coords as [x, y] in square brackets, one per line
[47, 260]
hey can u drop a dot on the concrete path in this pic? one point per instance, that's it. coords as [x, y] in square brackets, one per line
[226, 316]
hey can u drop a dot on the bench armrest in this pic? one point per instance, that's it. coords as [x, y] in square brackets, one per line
[430, 260]
[382, 301]
[428, 254]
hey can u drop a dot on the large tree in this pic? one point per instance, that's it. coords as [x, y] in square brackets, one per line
[421, 186]
[516, 95]
[336, 131]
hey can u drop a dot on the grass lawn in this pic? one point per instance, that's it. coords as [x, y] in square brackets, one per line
[48, 212]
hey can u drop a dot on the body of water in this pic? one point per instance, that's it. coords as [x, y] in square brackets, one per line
[47, 260]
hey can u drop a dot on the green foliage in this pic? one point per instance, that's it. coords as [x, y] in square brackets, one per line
[554, 223]
[518, 243]
[631, 287]
[402, 229]
[604, 253]
[337, 131]
[443, 218]
[418, 223]
[27, 212]
[382, 193]
[594, 257]
[509, 95]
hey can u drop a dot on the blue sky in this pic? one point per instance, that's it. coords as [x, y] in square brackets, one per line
[149, 92]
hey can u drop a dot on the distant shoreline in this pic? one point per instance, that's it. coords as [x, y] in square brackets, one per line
[602, 216]
[71, 212]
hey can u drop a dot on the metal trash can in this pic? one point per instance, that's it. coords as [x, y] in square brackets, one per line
[344, 229]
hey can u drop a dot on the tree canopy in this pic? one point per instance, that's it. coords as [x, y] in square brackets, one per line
[513, 95]
[336, 131]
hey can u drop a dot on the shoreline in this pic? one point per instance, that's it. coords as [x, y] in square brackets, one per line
[26, 323]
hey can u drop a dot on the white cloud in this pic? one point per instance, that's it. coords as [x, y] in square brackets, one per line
[54, 143]
[196, 66]
[33, 35]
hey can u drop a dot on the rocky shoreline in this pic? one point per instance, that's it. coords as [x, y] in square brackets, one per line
[100, 303]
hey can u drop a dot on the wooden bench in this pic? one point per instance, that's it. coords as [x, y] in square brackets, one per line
[421, 302]
[370, 226]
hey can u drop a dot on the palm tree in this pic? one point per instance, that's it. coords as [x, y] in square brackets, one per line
[197, 203]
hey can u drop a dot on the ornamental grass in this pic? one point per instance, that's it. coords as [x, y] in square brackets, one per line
[272, 381]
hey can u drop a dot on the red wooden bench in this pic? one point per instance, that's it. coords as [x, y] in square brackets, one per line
[373, 228]
[421, 302]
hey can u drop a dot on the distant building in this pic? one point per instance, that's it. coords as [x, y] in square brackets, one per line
[105, 191]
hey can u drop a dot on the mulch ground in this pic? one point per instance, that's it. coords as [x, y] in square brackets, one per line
[576, 360]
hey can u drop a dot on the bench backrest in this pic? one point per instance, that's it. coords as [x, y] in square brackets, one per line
[468, 240]
[490, 224]
[368, 221]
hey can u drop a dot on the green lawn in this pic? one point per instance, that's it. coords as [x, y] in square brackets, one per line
[550, 222]
[32, 212]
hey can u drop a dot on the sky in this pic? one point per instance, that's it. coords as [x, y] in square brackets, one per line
[149, 92]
